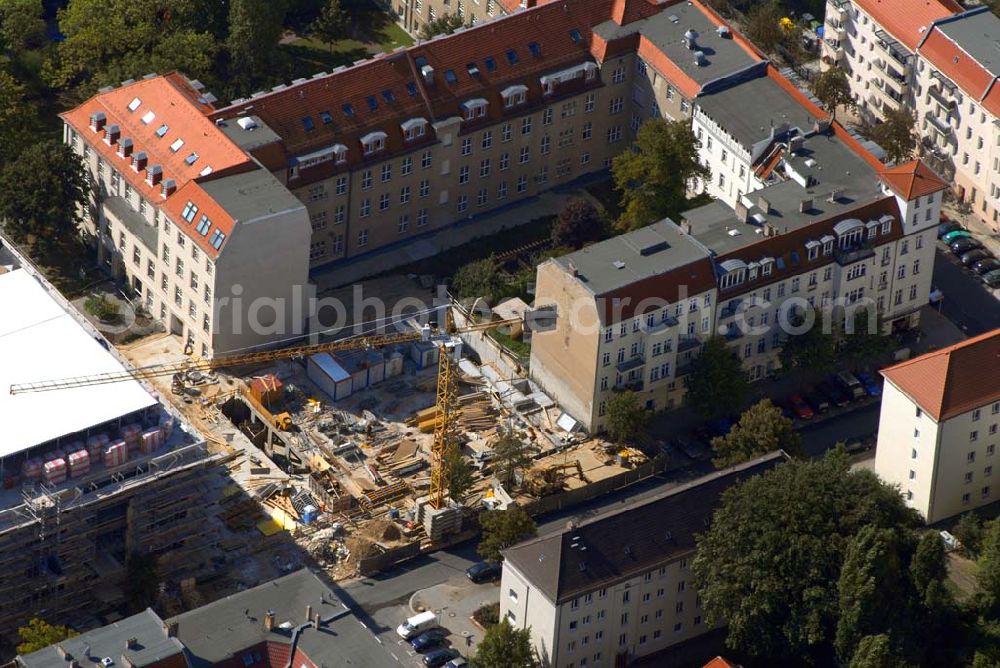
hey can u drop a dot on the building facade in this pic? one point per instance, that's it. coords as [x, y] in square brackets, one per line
[618, 586]
[938, 435]
[934, 60]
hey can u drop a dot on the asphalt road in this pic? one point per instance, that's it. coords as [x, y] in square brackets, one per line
[967, 301]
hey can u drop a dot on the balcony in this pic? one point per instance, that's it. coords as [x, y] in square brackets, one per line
[631, 363]
[659, 326]
[943, 128]
[886, 95]
[687, 343]
[849, 256]
[937, 93]
[892, 48]
[893, 78]
[731, 309]
[833, 50]
[733, 333]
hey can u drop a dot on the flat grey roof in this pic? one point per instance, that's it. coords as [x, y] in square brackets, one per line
[666, 29]
[251, 195]
[633, 256]
[749, 110]
[89, 648]
[978, 33]
[248, 140]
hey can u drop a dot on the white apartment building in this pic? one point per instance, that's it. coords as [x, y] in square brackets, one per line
[618, 586]
[937, 61]
[938, 429]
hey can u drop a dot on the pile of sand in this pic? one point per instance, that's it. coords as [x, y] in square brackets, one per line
[382, 531]
[361, 548]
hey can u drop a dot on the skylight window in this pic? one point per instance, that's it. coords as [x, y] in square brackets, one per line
[325, 117]
[176, 146]
[162, 130]
[575, 35]
[206, 171]
[307, 123]
[372, 102]
[449, 76]
[191, 159]
[473, 69]
[536, 50]
[204, 225]
[411, 88]
[420, 61]
[388, 96]
[348, 110]
[512, 56]
[134, 104]
[148, 117]
[189, 212]
[491, 65]
[217, 239]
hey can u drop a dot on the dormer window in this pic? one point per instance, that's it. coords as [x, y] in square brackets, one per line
[97, 121]
[154, 174]
[474, 109]
[766, 266]
[373, 142]
[340, 153]
[112, 134]
[812, 249]
[139, 161]
[586, 71]
[514, 95]
[733, 273]
[827, 242]
[125, 148]
[886, 224]
[415, 128]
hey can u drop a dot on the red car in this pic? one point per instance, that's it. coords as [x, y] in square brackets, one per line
[800, 407]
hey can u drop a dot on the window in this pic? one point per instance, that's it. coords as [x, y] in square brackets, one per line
[547, 116]
[526, 125]
[218, 238]
[386, 172]
[363, 237]
[190, 209]
[525, 155]
[341, 186]
[484, 168]
[505, 132]
[425, 160]
[406, 166]
[546, 145]
[467, 146]
[522, 183]
[463, 203]
[502, 190]
[404, 194]
[482, 197]
[463, 174]
[422, 218]
[339, 214]
[616, 105]
[504, 161]
[618, 75]
[425, 188]
[365, 209]
[366, 179]
[614, 134]
[487, 141]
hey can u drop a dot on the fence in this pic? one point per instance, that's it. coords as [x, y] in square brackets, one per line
[378, 562]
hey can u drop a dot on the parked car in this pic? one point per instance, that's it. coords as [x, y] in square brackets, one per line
[832, 392]
[693, 450]
[855, 446]
[986, 265]
[974, 256]
[963, 246]
[800, 407]
[457, 662]
[870, 384]
[947, 226]
[439, 657]
[955, 235]
[417, 624]
[428, 640]
[819, 403]
[992, 279]
[850, 384]
[484, 571]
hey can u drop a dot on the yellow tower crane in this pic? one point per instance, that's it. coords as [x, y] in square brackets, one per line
[446, 380]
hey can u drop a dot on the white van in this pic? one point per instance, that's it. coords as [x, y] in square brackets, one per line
[417, 624]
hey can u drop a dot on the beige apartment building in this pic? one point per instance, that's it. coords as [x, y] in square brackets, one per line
[938, 437]
[824, 225]
[618, 586]
[937, 61]
[413, 15]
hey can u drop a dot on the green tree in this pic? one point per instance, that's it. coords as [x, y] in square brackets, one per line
[761, 429]
[22, 25]
[577, 224]
[443, 25]
[833, 89]
[876, 652]
[969, 532]
[39, 634]
[14, 112]
[255, 28]
[929, 563]
[812, 349]
[458, 473]
[717, 384]
[42, 192]
[330, 25]
[763, 26]
[873, 590]
[503, 646]
[626, 417]
[653, 178]
[480, 278]
[896, 134]
[989, 566]
[770, 561]
[142, 581]
[863, 342]
[503, 528]
[511, 456]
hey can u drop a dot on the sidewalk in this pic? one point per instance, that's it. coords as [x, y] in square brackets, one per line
[972, 222]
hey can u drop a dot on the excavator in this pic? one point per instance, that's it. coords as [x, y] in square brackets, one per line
[444, 432]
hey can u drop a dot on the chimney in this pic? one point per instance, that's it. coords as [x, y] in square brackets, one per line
[770, 230]
[686, 226]
[316, 620]
[170, 628]
[806, 205]
[572, 269]
[125, 148]
[111, 134]
[691, 39]
[428, 74]
[97, 121]
[63, 653]
[74, 664]
[834, 196]
[742, 211]
[269, 621]
[169, 187]
[139, 161]
[795, 143]
[309, 613]
[764, 205]
[154, 174]
[132, 643]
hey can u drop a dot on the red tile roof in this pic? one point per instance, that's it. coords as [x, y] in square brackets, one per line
[907, 20]
[967, 73]
[178, 111]
[953, 380]
[719, 662]
[912, 180]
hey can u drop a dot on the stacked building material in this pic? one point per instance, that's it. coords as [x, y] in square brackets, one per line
[116, 454]
[31, 469]
[96, 445]
[54, 471]
[131, 434]
[79, 463]
[150, 440]
[167, 427]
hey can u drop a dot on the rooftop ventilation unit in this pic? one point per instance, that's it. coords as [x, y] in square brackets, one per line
[653, 248]
[247, 123]
[97, 121]
[427, 72]
[699, 59]
[691, 38]
[618, 264]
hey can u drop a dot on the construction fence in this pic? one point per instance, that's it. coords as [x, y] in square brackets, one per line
[379, 562]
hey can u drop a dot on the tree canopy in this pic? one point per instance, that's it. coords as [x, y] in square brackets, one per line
[255, 28]
[458, 474]
[626, 417]
[577, 224]
[503, 646]
[833, 89]
[331, 24]
[443, 25]
[21, 24]
[503, 528]
[39, 634]
[761, 429]
[717, 385]
[896, 134]
[812, 349]
[510, 457]
[480, 278]
[654, 177]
